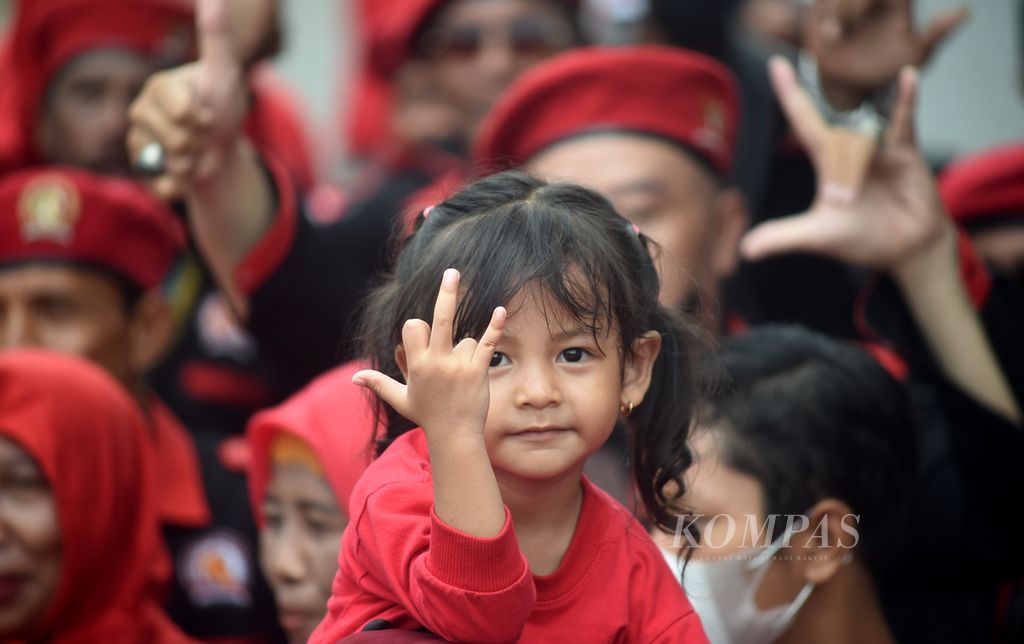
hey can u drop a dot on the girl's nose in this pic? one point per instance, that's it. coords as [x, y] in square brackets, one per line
[538, 388]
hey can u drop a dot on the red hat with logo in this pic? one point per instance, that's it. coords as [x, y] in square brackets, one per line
[47, 34]
[667, 92]
[985, 186]
[59, 214]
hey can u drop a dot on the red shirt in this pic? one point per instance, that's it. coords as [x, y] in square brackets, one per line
[400, 563]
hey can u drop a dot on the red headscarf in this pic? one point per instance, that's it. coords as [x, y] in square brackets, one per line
[334, 417]
[47, 34]
[89, 438]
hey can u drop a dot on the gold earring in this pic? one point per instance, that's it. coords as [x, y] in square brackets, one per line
[626, 410]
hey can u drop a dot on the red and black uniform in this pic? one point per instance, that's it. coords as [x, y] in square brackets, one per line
[112, 225]
[215, 377]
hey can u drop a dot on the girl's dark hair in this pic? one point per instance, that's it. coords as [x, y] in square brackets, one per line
[510, 231]
[813, 418]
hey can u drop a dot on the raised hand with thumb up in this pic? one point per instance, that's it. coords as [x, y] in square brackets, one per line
[185, 117]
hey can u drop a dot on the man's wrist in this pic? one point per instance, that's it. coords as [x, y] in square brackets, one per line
[933, 262]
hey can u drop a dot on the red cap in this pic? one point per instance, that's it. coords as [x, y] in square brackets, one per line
[679, 95]
[47, 34]
[984, 185]
[71, 215]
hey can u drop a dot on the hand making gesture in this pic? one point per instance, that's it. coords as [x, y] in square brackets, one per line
[447, 386]
[895, 223]
[186, 139]
[896, 216]
[447, 394]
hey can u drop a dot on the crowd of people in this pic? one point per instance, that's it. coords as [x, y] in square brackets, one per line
[658, 331]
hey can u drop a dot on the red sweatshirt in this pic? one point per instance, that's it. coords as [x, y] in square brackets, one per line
[400, 563]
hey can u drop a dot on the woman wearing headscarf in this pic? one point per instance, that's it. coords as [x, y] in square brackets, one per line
[307, 455]
[78, 507]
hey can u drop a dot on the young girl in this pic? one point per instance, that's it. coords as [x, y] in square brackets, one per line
[478, 525]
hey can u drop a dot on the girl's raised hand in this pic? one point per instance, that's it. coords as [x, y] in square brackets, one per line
[447, 390]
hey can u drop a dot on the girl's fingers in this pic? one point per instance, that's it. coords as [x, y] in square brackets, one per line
[444, 312]
[388, 389]
[491, 337]
[415, 337]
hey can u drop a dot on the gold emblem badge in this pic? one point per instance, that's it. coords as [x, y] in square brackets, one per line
[711, 134]
[48, 209]
[714, 117]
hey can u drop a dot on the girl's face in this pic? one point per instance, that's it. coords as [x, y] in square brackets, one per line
[30, 555]
[299, 545]
[556, 390]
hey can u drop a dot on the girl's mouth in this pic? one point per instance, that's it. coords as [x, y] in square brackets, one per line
[539, 434]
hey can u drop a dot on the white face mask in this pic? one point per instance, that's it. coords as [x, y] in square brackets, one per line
[722, 592]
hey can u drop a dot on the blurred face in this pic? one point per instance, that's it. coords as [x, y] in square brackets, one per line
[478, 47]
[1003, 248]
[299, 544]
[657, 187]
[714, 489]
[777, 20]
[30, 556]
[72, 310]
[85, 115]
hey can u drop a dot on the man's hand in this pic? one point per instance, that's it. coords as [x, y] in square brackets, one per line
[897, 215]
[194, 111]
[860, 45]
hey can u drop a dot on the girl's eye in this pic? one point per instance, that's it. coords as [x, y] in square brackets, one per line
[574, 354]
[499, 359]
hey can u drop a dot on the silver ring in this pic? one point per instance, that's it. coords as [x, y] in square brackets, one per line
[152, 160]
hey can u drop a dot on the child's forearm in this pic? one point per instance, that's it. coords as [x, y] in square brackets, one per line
[466, 494]
[931, 284]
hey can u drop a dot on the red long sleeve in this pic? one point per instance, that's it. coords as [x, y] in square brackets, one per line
[401, 564]
[397, 553]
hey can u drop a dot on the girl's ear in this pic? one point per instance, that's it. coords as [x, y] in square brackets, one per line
[403, 364]
[636, 376]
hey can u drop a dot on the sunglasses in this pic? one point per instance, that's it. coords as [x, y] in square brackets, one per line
[526, 37]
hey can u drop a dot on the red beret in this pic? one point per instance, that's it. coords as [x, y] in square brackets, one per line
[63, 214]
[389, 28]
[46, 34]
[989, 184]
[676, 94]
